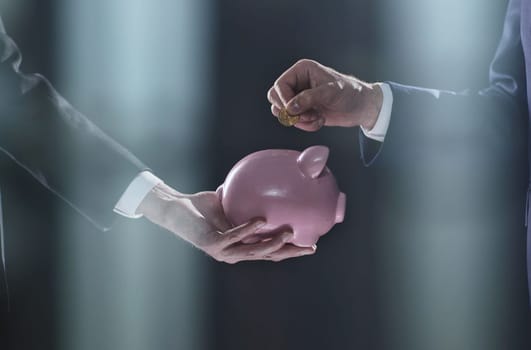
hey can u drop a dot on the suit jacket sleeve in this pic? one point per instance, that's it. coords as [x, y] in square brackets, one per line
[57, 145]
[424, 117]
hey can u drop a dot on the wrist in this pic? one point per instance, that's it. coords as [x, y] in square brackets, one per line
[176, 212]
[157, 201]
[374, 106]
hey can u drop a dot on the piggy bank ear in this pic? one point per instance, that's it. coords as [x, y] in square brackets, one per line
[312, 161]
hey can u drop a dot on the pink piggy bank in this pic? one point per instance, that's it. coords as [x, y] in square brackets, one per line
[288, 189]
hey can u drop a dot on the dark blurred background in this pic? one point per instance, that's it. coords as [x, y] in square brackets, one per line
[431, 254]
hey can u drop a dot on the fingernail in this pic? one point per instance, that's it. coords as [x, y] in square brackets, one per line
[294, 108]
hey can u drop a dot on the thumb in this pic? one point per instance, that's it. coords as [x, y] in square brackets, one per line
[208, 204]
[311, 99]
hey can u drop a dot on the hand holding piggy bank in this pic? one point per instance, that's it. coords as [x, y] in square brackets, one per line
[287, 188]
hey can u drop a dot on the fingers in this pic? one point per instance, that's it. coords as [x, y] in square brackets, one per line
[311, 99]
[285, 88]
[218, 218]
[259, 250]
[239, 233]
[274, 99]
[309, 121]
[308, 104]
[276, 249]
[291, 82]
[290, 251]
[209, 205]
[258, 238]
[295, 79]
[275, 111]
[284, 92]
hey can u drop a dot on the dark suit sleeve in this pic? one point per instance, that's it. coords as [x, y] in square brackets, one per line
[57, 145]
[422, 118]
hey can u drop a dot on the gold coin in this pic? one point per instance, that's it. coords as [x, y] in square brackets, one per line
[287, 120]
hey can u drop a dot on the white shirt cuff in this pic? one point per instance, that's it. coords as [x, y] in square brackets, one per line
[379, 130]
[134, 194]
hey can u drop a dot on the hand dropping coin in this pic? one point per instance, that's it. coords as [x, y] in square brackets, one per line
[287, 120]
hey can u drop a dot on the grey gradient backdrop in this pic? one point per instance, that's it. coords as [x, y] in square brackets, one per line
[431, 254]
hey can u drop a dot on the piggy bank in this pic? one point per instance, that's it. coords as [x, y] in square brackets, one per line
[287, 188]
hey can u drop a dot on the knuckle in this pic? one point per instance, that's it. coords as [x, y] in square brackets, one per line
[270, 95]
[337, 85]
[305, 62]
[218, 258]
[231, 261]
[301, 62]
